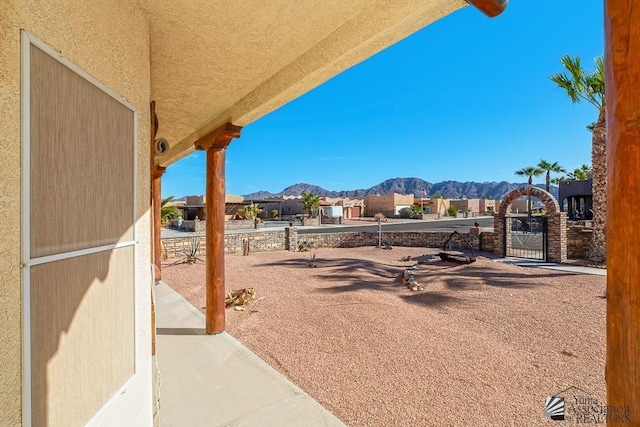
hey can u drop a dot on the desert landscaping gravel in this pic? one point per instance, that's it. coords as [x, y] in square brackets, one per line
[482, 345]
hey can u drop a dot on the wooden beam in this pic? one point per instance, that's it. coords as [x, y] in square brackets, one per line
[215, 145]
[219, 138]
[156, 189]
[622, 73]
[491, 8]
[153, 130]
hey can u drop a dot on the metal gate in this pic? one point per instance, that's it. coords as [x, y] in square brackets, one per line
[525, 236]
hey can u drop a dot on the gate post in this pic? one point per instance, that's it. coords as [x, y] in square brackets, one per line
[557, 237]
[498, 234]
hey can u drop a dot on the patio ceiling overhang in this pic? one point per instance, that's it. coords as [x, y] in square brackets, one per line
[219, 62]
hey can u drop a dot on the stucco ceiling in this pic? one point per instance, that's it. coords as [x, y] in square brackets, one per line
[217, 61]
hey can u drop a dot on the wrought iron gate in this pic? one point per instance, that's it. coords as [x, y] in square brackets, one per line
[525, 236]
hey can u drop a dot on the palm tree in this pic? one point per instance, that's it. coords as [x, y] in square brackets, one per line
[168, 212]
[581, 85]
[580, 173]
[529, 171]
[310, 202]
[548, 168]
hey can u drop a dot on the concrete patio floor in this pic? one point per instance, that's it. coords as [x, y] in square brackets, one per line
[213, 380]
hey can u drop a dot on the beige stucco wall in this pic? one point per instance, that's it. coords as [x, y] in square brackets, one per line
[464, 205]
[386, 203]
[110, 41]
[487, 205]
[435, 206]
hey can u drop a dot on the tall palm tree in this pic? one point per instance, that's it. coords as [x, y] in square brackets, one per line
[529, 171]
[310, 202]
[548, 168]
[581, 85]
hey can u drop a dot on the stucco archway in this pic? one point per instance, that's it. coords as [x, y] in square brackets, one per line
[556, 223]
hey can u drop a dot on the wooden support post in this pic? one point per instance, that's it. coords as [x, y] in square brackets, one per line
[156, 190]
[622, 73]
[215, 145]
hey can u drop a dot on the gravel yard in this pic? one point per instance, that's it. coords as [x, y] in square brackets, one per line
[483, 344]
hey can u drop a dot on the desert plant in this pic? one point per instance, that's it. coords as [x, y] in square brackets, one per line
[191, 254]
[452, 211]
[416, 211]
[274, 213]
[168, 212]
[312, 260]
[405, 213]
[251, 211]
[311, 202]
[305, 246]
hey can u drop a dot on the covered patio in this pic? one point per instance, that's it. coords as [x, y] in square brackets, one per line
[194, 74]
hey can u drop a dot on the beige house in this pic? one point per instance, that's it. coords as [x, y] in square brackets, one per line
[519, 206]
[88, 88]
[488, 206]
[196, 207]
[351, 208]
[471, 206]
[437, 205]
[387, 204]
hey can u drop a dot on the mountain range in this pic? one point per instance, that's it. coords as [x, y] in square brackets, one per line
[416, 186]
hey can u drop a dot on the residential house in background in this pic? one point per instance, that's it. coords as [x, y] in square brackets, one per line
[488, 206]
[435, 206]
[351, 208]
[519, 206]
[466, 206]
[387, 204]
[195, 207]
[576, 198]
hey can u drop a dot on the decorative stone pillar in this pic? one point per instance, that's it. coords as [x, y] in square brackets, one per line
[156, 190]
[498, 234]
[215, 144]
[557, 237]
[291, 239]
[622, 72]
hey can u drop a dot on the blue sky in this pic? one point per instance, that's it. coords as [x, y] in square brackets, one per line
[467, 98]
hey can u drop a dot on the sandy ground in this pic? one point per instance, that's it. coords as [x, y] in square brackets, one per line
[483, 344]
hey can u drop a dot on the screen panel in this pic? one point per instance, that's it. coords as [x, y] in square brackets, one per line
[81, 154]
[82, 335]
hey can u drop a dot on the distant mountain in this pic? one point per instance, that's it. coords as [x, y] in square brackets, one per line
[416, 186]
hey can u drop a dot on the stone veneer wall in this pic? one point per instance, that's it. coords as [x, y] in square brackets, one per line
[233, 242]
[486, 241]
[289, 239]
[240, 224]
[578, 240]
[193, 225]
[200, 226]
